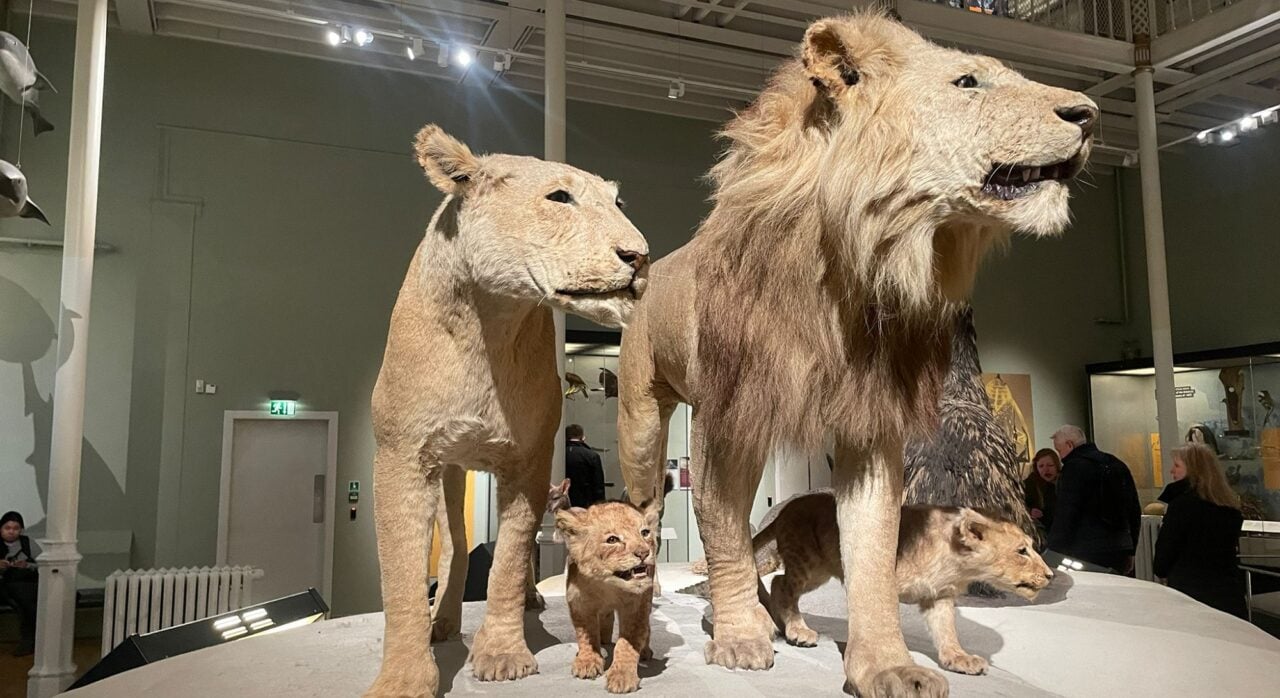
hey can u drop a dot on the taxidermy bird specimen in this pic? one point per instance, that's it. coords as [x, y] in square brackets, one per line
[13, 195]
[21, 82]
[1264, 399]
[576, 386]
[608, 383]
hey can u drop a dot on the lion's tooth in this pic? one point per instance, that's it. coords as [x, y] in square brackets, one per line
[1035, 173]
[1026, 175]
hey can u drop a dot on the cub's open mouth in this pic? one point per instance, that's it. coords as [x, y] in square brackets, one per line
[1009, 182]
[637, 572]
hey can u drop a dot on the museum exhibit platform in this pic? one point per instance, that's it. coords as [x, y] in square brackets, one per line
[1087, 635]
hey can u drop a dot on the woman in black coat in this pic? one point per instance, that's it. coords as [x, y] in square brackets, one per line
[1040, 490]
[1198, 542]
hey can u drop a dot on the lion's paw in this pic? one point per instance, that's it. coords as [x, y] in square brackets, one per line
[756, 654]
[619, 680]
[443, 628]
[909, 681]
[963, 663]
[588, 666]
[802, 636]
[415, 679]
[503, 667]
[646, 654]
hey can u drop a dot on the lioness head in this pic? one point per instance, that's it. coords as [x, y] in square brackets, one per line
[613, 542]
[538, 231]
[1000, 553]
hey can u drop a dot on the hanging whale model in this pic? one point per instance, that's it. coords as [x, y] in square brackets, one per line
[13, 195]
[21, 82]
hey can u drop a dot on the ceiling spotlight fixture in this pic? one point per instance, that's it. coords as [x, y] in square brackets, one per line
[442, 58]
[1204, 137]
[364, 37]
[463, 57]
[333, 37]
[414, 49]
[676, 89]
[1226, 135]
[502, 62]
[1248, 124]
[1269, 116]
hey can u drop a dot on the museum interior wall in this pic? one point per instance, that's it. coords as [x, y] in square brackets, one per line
[264, 208]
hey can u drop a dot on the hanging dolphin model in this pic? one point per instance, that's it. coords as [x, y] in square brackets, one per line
[21, 82]
[13, 195]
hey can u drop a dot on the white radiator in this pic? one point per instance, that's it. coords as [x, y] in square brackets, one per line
[142, 601]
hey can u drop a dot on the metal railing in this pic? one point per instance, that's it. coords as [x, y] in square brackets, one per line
[1112, 19]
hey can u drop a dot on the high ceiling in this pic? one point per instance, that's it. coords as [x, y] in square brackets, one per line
[1215, 61]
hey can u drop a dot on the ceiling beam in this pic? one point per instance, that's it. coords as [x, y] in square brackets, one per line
[1218, 74]
[1261, 72]
[136, 16]
[1224, 25]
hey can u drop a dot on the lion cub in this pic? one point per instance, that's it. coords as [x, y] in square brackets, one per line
[941, 550]
[612, 552]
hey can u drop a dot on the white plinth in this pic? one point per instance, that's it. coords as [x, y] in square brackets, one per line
[1089, 635]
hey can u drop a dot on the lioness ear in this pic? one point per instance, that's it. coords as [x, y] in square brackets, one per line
[448, 163]
[563, 487]
[971, 529]
[652, 511]
[569, 521]
[827, 59]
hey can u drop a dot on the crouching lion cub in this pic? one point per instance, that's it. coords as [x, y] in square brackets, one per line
[612, 553]
[941, 550]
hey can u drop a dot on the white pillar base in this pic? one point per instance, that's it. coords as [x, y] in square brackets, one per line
[54, 670]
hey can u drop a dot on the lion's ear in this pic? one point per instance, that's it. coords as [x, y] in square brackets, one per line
[448, 162]
[652, 510]
[563, 488]
[971, 528]
[827, 58]
[571, 520]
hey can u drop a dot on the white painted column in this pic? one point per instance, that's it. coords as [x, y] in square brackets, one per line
[553, 138]
[59, 561]
[551, 554]
[1157, 273]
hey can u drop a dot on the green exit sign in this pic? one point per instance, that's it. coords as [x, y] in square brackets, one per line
[286, 408]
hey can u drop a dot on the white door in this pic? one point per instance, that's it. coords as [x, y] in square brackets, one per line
[276, 501]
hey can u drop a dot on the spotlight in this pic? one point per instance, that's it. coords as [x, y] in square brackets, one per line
[1204, 137]
[338, 34]
[414, 49]
[1226, 135]
[442, 58]
[364, 37]
[1248, 124]
[333, 37]
[675, 90]
[502, 63]
[463, 57]
[1269, 116]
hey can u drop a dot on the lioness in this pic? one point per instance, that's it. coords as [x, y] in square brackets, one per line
[613, 548]
[514, 238]
[941, 550]
[855, 201]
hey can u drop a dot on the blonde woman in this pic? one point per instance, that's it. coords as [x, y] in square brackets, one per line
[1196, 549]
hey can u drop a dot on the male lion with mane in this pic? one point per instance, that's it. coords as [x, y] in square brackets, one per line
[856, 200]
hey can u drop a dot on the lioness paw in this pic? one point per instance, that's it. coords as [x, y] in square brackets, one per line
[588, 666]
[622, 680]
[503, 667]
[963, 663]
[802, 637]
[909, 682]
[756, 654]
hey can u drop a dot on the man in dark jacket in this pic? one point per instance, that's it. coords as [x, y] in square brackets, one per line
[1099, 517]
[583, 468]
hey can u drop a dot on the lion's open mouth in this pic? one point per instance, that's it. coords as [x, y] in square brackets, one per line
[625, 290]
[1009, 182]
[637, 572]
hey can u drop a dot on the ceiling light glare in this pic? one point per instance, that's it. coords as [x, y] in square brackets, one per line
[364, 37]
[1227, 135]
[333, 37]
[1269, 116]
[442, 58]
[463, 57]
[1248, 124]
[1204, 137]
[414, 49]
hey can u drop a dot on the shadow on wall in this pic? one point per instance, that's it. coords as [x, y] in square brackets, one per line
[27, 335]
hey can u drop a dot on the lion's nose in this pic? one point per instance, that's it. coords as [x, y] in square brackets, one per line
[1083, 115]
[1049, 575]
[635, 260]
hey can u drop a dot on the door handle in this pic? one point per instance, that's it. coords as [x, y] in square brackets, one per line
[317, 500]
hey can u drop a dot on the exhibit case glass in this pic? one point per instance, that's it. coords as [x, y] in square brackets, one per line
[1225, 399]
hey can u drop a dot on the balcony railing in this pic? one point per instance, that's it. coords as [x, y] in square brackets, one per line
[1112, 19]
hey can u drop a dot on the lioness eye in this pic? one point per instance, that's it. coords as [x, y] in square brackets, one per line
[1022, 551]
[644, 532]
[560, 196]
[613, 539]
[966, 82]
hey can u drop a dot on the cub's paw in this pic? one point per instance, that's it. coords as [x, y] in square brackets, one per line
[802, 637]
[646, 654]
[963, 663]
[444, 628]
[744, 653]
[909, 681]
[588, 666]
[503, 667]
[618, 680]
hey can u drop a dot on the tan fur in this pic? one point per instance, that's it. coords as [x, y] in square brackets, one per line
[819, 294]
[613, 549]
[469, 381]
[941, 550]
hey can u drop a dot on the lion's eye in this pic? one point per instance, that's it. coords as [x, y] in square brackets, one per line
[1022, 551]
[966, 82]
[560, 196]
[621, 204]
[613, 539]
[644, 532]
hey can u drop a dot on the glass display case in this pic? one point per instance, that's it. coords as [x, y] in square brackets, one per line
[1225, 398]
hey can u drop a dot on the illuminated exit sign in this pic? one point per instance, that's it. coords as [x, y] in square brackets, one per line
[285, 408]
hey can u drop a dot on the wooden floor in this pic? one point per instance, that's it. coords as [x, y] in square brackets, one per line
[13, 670]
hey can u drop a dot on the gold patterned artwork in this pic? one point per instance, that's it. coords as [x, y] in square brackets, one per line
[1010, 396]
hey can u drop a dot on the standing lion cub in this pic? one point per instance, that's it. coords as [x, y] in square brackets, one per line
[613, 548]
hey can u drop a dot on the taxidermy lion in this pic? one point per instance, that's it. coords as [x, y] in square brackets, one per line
[514, 238]
[613, 548]
[854, 204]
[941, 551]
